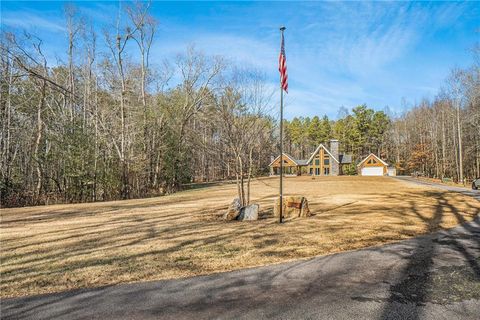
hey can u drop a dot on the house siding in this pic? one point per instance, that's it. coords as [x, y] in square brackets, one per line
[323, 162]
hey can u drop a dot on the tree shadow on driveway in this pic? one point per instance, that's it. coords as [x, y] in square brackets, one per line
[424, 280]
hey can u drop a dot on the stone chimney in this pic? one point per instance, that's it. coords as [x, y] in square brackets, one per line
[334, 166]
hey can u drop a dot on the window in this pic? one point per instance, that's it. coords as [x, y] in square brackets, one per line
[317, 171]
[311, 170]
[317, 162]
[326, 171]
[326, 161]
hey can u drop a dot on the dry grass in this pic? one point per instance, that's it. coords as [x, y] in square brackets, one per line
[60, 247]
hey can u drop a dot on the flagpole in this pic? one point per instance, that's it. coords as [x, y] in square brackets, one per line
[282, 29]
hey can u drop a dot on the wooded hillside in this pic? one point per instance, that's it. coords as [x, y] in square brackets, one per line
[105, 123]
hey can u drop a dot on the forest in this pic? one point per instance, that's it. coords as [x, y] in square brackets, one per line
[104, 123]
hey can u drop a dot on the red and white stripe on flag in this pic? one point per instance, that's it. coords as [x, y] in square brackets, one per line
[282, 67]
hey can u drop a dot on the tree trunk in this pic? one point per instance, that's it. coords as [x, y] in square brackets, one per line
[38, 140]
[455, 150]
[460, 152]
[250, 165]
[444, 160]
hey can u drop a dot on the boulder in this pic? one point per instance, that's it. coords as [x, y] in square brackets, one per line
[293, 207]
[249, 213]
[233, 210]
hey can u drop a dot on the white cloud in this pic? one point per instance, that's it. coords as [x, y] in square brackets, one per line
[243, 50]
[32, 21]
[355, 38]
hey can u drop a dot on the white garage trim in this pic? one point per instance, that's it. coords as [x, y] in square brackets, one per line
[372, 171]
[371, 154]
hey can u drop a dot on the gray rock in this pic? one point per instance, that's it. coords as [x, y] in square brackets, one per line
[233, 210]
[249, 213]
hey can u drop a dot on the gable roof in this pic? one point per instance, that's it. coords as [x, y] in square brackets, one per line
[345, 158]
[371, 154]
[316, 151]
[286, 155]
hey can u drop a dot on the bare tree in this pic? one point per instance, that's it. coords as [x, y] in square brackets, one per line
[242, 109]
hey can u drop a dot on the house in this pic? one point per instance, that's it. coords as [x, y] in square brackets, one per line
[291, 166]
[322, 162]
[372, 166]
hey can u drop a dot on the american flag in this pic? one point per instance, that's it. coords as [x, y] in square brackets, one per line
[282, 67]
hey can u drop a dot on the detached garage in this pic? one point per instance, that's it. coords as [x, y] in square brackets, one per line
[372, 166]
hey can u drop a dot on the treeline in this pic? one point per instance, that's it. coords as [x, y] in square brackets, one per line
[108, 124]
[360, 132]
[439, 138]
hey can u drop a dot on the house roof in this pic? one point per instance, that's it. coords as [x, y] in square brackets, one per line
[286, 155]
[345, 158]
[371, 154]
[302, 162]
[316, 151]
[342, 158]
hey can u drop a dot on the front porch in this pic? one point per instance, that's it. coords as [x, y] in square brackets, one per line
[287, 170]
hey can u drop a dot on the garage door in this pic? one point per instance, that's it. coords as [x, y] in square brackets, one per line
[372, 171]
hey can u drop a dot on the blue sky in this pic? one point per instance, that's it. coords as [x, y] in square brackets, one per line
[338, 53]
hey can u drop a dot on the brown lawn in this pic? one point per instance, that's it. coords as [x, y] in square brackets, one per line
[60, 247]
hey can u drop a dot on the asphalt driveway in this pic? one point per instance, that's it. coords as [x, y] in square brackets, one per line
[431, 277]
[466, 191]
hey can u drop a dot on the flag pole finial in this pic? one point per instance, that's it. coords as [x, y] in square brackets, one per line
[282, 28]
